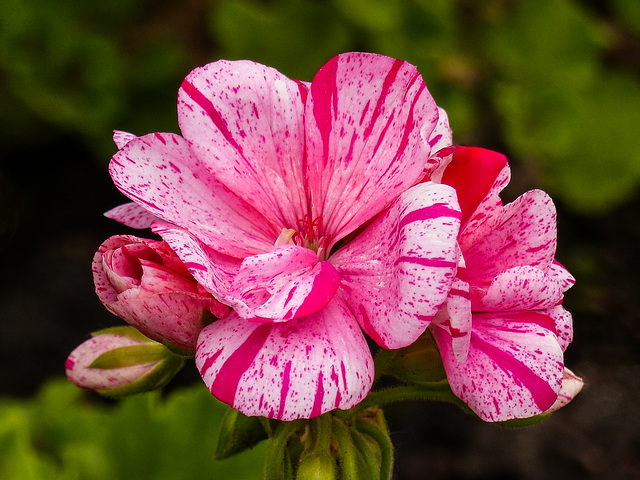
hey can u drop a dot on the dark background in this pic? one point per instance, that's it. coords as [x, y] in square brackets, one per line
[54, 187]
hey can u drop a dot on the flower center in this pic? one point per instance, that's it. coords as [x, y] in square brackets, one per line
[308, 233]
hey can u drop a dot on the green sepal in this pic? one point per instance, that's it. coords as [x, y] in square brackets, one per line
[130, 355]
[156, 378]
[524, 422]
[317, 466]
[238, 433]
[419, 363]
[123, 331]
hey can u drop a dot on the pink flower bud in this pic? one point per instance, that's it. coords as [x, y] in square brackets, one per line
[121, 361]
[144, 282]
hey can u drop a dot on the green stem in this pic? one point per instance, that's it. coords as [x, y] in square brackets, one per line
[348, 453]
[384, 442]
[274, 465]
[436, 391]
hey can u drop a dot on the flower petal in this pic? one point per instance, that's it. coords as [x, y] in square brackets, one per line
[121, 138]
[473, 172]
[299, 369]
[397, 273]
[161, 173]
[514, 368]
[213, 270]
[286, 283]
[521, 233]
[132, 215]
[564, 325]
[245, 122]
[561, 275]
[519, 288]
[368, 122]
[571, 386]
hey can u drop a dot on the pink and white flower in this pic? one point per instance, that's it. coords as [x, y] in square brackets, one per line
[299, 205]
[144, 282]
[503, 330]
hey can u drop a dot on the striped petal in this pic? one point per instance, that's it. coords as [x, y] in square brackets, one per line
[245, 122]
[368, 122]
[286, 283]
[521, 233]
[298, 369]
[397, 273]
[161, 173]
[514, 368]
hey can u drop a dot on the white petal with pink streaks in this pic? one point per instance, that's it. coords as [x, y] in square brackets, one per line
[161, 173]
[132, 215]
[298, 369]
[368, 122]
[397, 273]
[245, 122]
[514, 368]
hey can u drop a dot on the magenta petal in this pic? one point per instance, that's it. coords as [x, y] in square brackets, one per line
[368, 122]
[161, 173]
[398, 272]
[521, 233]
[561, 275]
[299, 369]
[245, 122]
[286, 283]
[514, 368]
[121, 138]
[132, 215]
[564, 325]
[519, 288]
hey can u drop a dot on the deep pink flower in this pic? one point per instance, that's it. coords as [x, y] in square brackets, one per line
[297, 205]
[503, 330]
[144, 282]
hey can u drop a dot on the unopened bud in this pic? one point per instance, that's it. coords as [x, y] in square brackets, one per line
[317, 466]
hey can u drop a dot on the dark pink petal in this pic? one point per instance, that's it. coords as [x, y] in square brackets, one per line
[514, 368]
[161, 173]
[368, 122]
[286, 283]
[213, 270]
[132, 215]
[245, 123]
[519, 288]
[397, 273]
[298, 369]
[521, 233]
[473, 173]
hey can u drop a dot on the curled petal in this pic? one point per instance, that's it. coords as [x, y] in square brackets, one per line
[161, 173]
[121, 138]
[519, 288]
[561, 275]
[368, 121]
[571, 386]
[132, 215]
[521, 233]
[564, 325]
[298, 369]
[245, 122]
[514, 368]
[286, 283]
[397, 273]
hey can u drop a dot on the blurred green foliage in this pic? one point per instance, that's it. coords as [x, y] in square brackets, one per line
[553, 83]
[61, 435]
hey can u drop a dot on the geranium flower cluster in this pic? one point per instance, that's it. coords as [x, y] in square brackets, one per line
[297, 217]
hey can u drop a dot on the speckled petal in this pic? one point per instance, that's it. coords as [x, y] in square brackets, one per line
[245, 122]
[298, 369]
[521, 233]
[132, 215]
[161, 173]
[368, 122]
[514, 368]
[397, 273]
